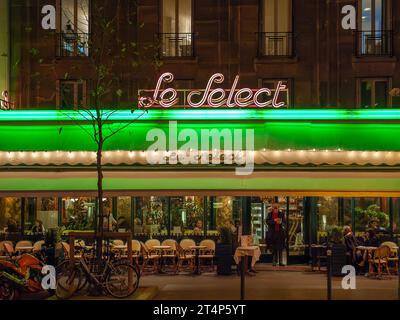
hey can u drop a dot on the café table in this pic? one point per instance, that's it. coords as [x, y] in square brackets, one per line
[250, 251]
[197, 254]
[161, 250]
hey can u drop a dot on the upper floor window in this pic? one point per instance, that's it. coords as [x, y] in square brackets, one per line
[73, 35]
[374, 35]
[276, 37]
[176, 35]
[374, 93]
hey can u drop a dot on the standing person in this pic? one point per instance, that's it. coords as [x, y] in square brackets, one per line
[276, 234]
[109, 222]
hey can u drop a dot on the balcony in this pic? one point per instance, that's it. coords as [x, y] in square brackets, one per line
[374, 43]
[72, 44]
[176, 45]
[275, 44]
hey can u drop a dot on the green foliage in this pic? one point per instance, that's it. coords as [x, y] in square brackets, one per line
[78, 216]
[364, 217]
[335, 234]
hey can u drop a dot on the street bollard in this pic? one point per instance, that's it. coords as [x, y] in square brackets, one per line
[329, 273]
[242, 277]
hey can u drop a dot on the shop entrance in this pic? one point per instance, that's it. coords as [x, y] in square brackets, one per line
[293, 208]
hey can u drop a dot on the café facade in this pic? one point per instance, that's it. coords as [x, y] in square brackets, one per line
[325, 167]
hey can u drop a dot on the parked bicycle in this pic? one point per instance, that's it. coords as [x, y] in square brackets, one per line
[118, 278]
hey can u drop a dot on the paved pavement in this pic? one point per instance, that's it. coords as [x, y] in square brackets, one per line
[269, 284]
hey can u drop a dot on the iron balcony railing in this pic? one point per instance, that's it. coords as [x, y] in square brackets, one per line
[176, 45]
[374, 43]
[72, 44]
[276, 44]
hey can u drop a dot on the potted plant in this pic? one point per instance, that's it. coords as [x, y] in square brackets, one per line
[338, 249]
[224, 251]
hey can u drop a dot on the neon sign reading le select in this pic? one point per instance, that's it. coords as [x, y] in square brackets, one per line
[215, 98]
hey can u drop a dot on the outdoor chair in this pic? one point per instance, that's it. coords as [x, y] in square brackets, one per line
[187, 256]
[170, 256]
[151, 258]
[21, 244]
[6, 250]
[136, 252]
[67, 250]
[380, 259]
[207, 255]
[394, 254]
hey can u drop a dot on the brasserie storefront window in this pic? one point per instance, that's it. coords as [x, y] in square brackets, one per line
[78, 213]
[151, 216]
[327, 215]
[124, 213]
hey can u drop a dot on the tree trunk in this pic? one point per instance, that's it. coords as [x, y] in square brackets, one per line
[100, 204]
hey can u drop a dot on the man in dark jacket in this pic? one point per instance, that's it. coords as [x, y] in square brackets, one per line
[351, 244]
[276, 233]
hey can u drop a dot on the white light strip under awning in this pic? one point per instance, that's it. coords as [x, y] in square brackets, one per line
[263, 157]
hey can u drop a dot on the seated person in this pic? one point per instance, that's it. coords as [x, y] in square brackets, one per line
[137, 227]
[38, 227]
[198, 229]
[371, 239]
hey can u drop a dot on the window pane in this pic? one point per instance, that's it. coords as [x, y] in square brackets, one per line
[226, 210]
[124, 207]
[185, 16]
[78, 213]
[67, 96]
[187, 215]
[47, 212]
[381, 92]
[67, 15]
[169, 21]
[366, 15]
[10, 214]
[366, 209]
[83, 16]
[152, 215]
[327, 215]
[366, 94]
[396, 217]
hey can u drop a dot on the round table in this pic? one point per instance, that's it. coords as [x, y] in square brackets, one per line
[197, 250]
[369, 251]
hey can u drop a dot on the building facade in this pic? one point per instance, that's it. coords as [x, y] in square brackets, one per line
[326, 157]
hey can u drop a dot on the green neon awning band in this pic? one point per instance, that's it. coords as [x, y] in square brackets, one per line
[212, 114]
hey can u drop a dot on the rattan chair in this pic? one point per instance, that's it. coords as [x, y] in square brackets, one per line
[187, 256]
[380, 259]
[23, 243]
[394, 255]
[38, 245]
[207, 255]
[151, 257]
[6, 250]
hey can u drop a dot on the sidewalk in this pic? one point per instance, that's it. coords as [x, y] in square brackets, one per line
[269, 285]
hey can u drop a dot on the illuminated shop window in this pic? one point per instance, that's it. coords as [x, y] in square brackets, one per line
[152, 216]
[78, 213]
[10, 215]
[124, 213]
[187, 215]
[327, 216]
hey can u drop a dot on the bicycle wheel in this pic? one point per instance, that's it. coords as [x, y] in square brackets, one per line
[117, 280]
[68, 282]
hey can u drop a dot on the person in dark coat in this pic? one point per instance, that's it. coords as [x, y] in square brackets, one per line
[276, 234]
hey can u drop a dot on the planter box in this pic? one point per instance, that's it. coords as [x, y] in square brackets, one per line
[339, 259]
